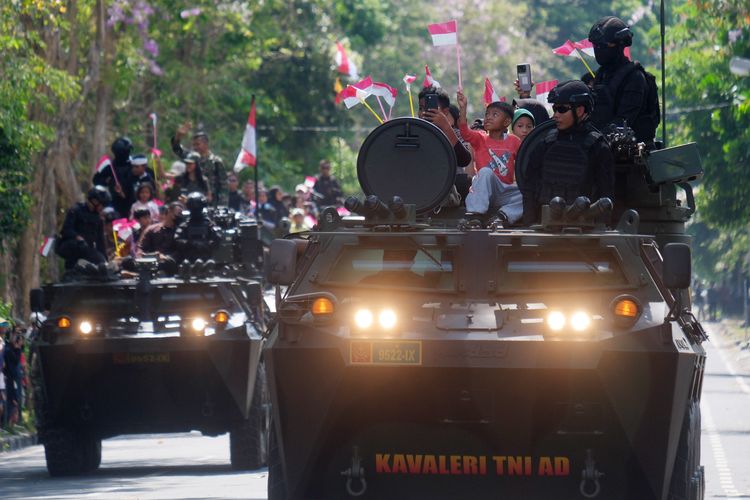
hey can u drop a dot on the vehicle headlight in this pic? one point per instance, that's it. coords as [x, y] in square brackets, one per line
[198, 324]
[363, 318]
[580, 321]
[387, 319]
[85, 327]
[556, 321]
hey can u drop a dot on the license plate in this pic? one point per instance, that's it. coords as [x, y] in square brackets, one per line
[404, 352]
[140, 358]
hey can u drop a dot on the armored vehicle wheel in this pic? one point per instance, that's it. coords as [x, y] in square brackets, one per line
[687, 476]
[276, 480]
[248, 441]
[69, 454]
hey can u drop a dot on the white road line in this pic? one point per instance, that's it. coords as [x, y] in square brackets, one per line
[720, 460]
[740, 381]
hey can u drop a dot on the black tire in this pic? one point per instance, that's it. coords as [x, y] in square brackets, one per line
[93, 454]
[66, 455]
[276, 480]
[687, 475]
[248, 440]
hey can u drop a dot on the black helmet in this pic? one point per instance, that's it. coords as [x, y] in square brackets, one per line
[109, 214]
[611, 29]
[100, 194]
[122, 147]
[572, 92]
[196, 202]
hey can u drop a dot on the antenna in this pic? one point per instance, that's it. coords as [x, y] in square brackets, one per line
[663, 79]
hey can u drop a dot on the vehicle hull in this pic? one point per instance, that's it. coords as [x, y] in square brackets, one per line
[496, 418]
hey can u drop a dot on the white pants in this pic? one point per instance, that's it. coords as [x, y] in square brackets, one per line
[487, 191]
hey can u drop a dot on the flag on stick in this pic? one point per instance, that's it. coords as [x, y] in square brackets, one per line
[444, 34]
[408, 80]
[429, 81]
[569, 49]
[344, 65]
[585, 46]
[47, 245]
[490, 95]
[248, 152]
[103, 164]
[542, 90]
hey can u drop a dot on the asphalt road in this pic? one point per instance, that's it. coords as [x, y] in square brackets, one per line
[189, 466]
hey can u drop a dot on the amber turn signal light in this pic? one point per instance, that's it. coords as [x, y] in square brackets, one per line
[626, 308]
[63, 322]
[221, 317]
[322, 306]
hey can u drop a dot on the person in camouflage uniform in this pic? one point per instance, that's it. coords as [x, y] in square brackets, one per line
[210, 164]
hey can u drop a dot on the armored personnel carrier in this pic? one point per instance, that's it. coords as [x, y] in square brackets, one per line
[145, 352]
[418, 355]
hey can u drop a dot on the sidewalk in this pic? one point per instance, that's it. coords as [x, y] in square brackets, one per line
[731, 336]
[11, 441]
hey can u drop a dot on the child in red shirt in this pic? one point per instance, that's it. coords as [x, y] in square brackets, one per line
[494, 185]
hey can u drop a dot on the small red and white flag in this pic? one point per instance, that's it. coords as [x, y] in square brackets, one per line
[444, 34]
[542, 90]
[103, 164]
[248, 152]
[490, 95]
[409, 79]
[567, 49]
[343, 64]
[47, 246]
[310, 181]
[585, 46]
[429, 81]
[124, 228]
[385, 91]
[355, 93]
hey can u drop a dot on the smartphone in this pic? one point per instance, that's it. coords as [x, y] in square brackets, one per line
[524, 76]
[430, 101]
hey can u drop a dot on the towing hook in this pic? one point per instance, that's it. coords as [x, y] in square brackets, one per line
[355, 474]
[590, 474]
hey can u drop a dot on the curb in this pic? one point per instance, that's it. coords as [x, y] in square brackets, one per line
[15, 443]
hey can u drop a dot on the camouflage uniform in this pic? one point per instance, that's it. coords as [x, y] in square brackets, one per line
[212, 167]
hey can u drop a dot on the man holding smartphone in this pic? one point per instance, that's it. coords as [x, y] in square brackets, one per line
[434, 106]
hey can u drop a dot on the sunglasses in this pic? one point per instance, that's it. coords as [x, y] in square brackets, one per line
[561, 108]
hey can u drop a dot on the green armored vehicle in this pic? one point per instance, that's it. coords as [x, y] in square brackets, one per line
[151, 353]
[416, 355]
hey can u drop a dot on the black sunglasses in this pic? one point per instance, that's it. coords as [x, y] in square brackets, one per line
[561, 108]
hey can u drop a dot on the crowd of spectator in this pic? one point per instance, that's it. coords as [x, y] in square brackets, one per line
[15, 394]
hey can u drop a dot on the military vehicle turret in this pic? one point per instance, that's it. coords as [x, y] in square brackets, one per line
[418, 355]
[152, 352]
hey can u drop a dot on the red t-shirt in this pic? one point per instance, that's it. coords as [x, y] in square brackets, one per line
[498, 154]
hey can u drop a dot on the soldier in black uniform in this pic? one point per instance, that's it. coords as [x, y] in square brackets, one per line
[625, 93]
[82, 235]
[121, 148]
[197, 237]
[573, 160]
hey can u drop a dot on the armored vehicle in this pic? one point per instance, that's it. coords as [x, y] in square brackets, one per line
[145, 352]
[418, 355]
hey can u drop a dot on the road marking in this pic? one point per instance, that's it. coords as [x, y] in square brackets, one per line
[720, 456]
[740, 381]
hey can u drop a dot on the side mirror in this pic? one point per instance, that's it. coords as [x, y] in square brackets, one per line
[36, 297]
[677, 266]
[282, 262]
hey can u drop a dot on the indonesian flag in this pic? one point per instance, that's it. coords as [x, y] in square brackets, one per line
[310, 181]
[585, 46]
[103, 164]
[248, 153]
[567, 49]
[409, 79]
[542, 90]
[355, 93]
[124, 228]
[444, 33]
[429, 81]
[47, 246]
[344, 65]
[490, 95]
[385, 91]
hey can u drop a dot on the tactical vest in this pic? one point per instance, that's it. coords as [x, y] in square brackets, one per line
[565, 170]
[607, 95]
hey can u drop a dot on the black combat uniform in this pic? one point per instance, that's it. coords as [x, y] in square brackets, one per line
[568, 163]
[328, 192]
[121, 149]
[197, 237]
[85, 222]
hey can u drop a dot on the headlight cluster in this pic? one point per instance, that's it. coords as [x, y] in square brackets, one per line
[197, 325]
[577, 321]
[624, 311]
[365, 318]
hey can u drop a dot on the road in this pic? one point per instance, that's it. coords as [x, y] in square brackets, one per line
[189, 466]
